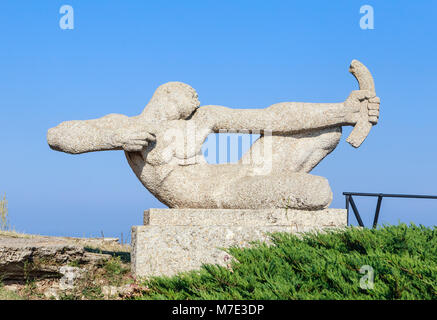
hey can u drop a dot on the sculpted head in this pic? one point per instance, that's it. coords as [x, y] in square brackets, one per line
[172, 101]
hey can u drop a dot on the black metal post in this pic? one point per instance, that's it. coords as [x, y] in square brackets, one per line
[378, 208]
[357, 214]
[347, 209]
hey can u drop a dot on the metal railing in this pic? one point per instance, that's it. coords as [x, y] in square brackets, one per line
[350, 201]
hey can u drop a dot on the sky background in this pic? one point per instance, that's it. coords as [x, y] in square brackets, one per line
[240, 54]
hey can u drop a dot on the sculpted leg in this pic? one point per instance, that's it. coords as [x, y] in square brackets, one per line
[286, 184]
[293, 190]
[293, 153]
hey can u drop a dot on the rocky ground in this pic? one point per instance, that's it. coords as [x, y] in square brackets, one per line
[41, 267]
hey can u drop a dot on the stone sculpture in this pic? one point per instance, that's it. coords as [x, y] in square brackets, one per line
[163, 147]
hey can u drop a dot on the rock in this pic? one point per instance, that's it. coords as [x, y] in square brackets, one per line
[11, 287]
[52, 293]
[70, 276]
[109, 291]
[40, 257]
[113, 291]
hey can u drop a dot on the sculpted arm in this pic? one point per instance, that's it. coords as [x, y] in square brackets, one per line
[288, 117]
[111, 132]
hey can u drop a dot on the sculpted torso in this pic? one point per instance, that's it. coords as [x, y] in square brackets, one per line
[163, 147]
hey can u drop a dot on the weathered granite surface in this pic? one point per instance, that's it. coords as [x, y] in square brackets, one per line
[22, 259]
[244, 217]
[175, 240]
[163, 146]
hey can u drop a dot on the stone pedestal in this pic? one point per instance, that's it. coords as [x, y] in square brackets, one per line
[175, 240]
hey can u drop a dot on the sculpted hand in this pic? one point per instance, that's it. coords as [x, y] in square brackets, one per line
[133, 139]
[353, 106]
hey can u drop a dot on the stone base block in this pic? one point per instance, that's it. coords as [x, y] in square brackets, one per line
[176, 240]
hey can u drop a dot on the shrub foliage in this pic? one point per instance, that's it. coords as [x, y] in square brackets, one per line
[317, 266]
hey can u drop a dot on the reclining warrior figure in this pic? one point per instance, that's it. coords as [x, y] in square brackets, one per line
[163, 147]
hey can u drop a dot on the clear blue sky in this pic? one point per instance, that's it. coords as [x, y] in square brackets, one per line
[241, 54]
